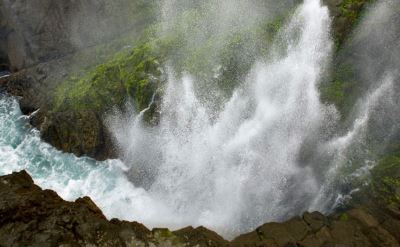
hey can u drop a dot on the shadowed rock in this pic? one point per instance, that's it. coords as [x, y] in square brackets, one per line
[30, 216]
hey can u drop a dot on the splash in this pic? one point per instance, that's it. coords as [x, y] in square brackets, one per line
[235, 169]
[271, 152]
[339, 150]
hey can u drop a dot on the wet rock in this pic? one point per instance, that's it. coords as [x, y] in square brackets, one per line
[33, 32]
[358, 228]
[345, 15]
[43, 42]
[201, 237]
[81, 133]
[30, 216]
[315, 220]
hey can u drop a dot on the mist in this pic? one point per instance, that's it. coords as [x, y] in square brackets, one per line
[273, 150]
[370, 129]
[234, 169]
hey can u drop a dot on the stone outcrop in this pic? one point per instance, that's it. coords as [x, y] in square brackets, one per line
[356, 227]
[44, 42]
[345, 14]
[30, 216]
[38, 31]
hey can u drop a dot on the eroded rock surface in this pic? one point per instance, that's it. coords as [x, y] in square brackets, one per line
[33, 32]
[356, 227]
[30, 216]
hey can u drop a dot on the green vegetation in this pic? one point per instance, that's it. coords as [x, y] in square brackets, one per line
[344, 86]
[351, 9]
[220, 60]
[386, 180]
[344, 217]
[341, 90]
[347, 15]
[133, 75]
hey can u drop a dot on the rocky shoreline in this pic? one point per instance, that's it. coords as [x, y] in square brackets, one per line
[31, 216]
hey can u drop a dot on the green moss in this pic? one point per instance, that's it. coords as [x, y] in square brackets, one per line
[135, 72]
[133, 75]
[167, 237]
[344, 217]
[386, 180]
[350, 13]
[342, 89]
[350, 9]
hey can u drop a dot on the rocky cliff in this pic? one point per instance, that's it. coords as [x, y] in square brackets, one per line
[30, 216]
[39, 31]
[43, 42]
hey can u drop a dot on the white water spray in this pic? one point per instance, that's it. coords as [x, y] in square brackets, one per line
[339, 149]
[237, 170]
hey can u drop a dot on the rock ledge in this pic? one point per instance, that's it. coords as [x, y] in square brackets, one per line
[30, 216]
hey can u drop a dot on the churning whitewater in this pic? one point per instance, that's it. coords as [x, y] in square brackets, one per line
[257, 159]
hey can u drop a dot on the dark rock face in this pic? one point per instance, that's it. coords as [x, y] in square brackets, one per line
[65, 130]
[345, 15]
[38, 31]
[78, 132]
[30, 216]
[43, 42]
[357, 227]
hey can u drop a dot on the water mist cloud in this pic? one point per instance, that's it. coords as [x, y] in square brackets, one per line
[373, 123]
[237, 168]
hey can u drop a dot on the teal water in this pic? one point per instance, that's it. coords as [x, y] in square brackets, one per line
[71, 177]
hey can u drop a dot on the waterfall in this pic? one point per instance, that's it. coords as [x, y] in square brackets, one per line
[272, 150]
[240, 168]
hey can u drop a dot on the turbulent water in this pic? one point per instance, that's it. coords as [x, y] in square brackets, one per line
[269, 153]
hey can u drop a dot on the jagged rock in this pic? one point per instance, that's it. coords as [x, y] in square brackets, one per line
[33, 32]
[315, 220]
[201, 237]
[357, 228]
[30, 216]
